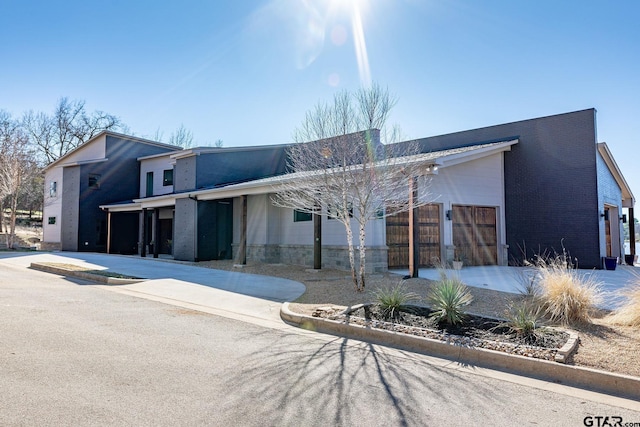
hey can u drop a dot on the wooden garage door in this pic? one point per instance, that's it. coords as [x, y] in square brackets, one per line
[474, 234]
[429, 240]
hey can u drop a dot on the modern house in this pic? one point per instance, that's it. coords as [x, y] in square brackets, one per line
[498, 195]
[102, 170]
[561, 188]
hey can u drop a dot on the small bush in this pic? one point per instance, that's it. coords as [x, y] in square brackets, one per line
[524, 320]
[393, 300]
[565, 295]
[629, 313]
[447, 299]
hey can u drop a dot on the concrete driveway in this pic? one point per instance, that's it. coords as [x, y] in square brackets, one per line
[241, 296]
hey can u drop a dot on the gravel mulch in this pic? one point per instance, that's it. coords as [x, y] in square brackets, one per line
[602, 346]
[476, 331]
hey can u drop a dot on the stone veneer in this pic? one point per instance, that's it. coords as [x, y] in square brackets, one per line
[50, 246]
[332, 256]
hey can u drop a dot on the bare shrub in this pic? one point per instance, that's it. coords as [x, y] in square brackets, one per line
[629, 313]
[566, 295]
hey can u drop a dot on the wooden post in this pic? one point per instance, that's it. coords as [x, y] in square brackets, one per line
[242, 247]
[414, 245]
[317, 241]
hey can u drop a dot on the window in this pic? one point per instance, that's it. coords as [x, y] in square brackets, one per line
[149, 184]
[94, 181]
[299, 216]
[53, 189]
[167, 177]
[52, 220]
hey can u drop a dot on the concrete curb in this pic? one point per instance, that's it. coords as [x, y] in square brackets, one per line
[83, 275]
[586, 378]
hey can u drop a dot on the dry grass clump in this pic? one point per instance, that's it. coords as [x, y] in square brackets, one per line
[566, 295]
[629, 313]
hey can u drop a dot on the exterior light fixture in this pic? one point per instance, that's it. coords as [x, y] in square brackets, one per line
[432, 169]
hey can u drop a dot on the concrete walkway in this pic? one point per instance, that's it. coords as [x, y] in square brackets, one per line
[512, 279]
[241, 296]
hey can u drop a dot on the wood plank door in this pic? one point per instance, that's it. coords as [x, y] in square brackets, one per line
[607, 230]
[475, 234]
[428, 240]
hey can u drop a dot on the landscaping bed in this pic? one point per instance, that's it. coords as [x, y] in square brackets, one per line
[476, 331]
[604, 346]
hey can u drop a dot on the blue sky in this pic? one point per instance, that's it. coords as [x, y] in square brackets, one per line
[247, 71]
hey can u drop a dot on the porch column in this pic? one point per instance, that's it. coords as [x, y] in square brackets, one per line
[143, 250]
[108, 231]
[632, 233]
[317, 241]
[242, 247]
[414, 246]
[156, 232]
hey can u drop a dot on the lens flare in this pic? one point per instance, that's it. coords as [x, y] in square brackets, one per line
[360, 45]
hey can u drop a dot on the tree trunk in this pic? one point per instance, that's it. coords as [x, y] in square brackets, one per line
[12, 222]
[363, 249]
[352, 260]
[1, 216]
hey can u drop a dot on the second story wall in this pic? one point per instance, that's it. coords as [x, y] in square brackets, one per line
[161, 179]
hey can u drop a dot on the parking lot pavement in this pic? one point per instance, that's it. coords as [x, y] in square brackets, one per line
[75, 353]
[242, 296]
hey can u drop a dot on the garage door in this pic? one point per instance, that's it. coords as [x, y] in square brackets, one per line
[474, 234]
[429, 237]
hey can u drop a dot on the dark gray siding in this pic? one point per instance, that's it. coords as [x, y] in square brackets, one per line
[119, 180]
[551, 196]
[239, 166]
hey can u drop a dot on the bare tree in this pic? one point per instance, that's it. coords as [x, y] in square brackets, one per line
[346, 169]
[16, 166]
[68, 127]
[182, 137]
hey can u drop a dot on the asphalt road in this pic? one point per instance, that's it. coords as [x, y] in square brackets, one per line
[76, 354]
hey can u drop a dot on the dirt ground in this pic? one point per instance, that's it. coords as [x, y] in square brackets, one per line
[602, 346]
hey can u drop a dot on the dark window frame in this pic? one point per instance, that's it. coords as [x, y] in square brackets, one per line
[300, 216]
[149, 184]
[94, 181]
[166, 181]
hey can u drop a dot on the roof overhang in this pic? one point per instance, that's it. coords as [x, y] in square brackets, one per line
[432, 161]
[628, 200]
[122, 207]
[60, 161]
[439, 159]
